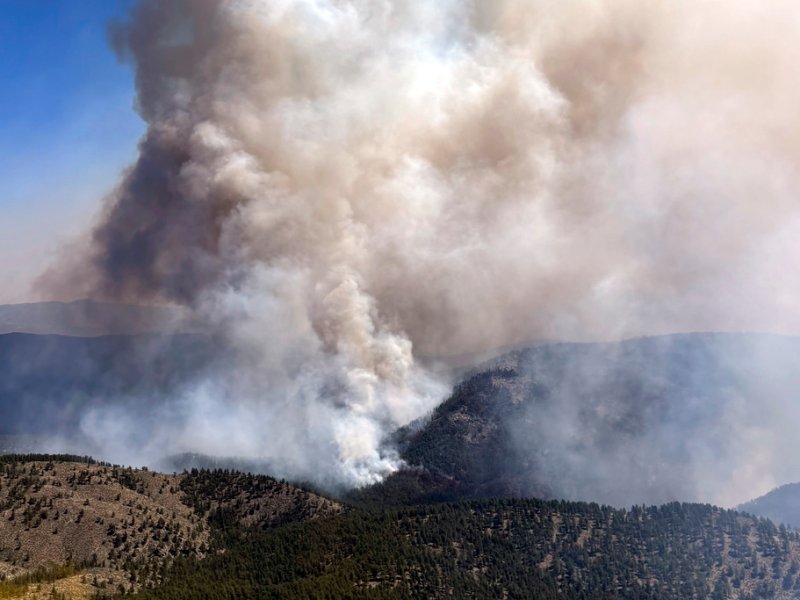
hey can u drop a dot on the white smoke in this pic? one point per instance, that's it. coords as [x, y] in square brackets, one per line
[340, 185]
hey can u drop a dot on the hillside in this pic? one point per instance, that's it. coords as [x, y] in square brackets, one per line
[782, 505]
[87, 318]
[642, 421]
[76, 529]
[109, 528]
[502, 549]
[120, 524]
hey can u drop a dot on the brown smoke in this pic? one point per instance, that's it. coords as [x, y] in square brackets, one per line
[341, 185]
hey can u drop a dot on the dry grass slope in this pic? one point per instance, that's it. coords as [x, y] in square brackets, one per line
[119, 519]
[119, 528]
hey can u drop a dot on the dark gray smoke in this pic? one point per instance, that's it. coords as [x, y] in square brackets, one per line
[340, 186]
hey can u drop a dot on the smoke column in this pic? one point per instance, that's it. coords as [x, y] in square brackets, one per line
[342, 186]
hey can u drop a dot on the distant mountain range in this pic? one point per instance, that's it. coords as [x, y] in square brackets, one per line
[60, 359]
[91, 318]
[48, 382]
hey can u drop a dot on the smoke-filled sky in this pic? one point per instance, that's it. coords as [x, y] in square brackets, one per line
[503, 170]
[342, 186]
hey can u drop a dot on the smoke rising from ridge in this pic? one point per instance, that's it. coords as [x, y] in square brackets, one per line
[340, 186]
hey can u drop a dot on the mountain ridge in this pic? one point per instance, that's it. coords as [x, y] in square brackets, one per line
[89, 318]
[781, 505]
[646, 420]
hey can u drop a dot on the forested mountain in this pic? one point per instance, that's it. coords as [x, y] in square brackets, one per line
[782, 505]
[501, 548]
[643, 421]
[73, 524]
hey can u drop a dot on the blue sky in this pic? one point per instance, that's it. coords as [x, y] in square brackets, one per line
[67, 128]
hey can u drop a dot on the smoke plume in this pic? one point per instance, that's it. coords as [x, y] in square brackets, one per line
[342, 186]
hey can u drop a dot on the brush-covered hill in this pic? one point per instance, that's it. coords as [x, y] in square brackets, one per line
[642, 421]
[68, 523]
[73, 528]
[123, 522]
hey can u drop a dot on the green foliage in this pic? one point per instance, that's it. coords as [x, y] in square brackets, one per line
[17, 587]
[494, 548]
[257, 500]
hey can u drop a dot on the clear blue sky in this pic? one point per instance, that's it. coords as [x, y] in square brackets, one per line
[67, 127]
